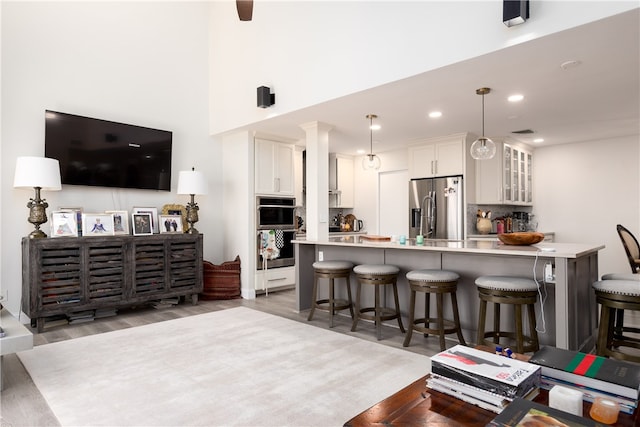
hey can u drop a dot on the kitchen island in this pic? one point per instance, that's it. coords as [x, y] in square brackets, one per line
[567, 318]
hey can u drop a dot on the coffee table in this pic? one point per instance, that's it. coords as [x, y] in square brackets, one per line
[416, 405]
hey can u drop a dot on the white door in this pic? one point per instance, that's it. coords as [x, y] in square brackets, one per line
[393, 203]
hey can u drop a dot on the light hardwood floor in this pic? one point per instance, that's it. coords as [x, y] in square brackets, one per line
[23, 405]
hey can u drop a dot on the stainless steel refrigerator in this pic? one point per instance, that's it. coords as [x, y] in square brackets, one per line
[436, 208]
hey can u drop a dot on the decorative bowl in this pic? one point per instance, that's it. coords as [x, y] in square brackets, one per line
[521, 238]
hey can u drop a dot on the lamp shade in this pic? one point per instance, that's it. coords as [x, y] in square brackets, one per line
[37, 172]
[192, 182]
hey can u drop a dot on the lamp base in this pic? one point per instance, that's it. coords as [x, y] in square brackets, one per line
[191, 230]
[37, 234]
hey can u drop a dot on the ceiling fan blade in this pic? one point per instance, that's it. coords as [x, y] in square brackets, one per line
[245, 9]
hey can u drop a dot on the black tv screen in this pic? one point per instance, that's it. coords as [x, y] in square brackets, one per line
[108, 154]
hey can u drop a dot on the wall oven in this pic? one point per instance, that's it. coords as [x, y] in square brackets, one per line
[276, 228]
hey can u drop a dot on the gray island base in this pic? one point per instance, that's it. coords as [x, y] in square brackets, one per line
[566, 319]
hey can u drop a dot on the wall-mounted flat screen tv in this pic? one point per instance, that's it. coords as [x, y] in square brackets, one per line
[108, 154]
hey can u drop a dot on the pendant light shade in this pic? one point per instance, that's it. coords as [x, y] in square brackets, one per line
[371, 161]
[483, 148]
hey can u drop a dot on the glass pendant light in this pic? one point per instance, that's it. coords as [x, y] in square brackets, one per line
[371, 161]
[483, 148]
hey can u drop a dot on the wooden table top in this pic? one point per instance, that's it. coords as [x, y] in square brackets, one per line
[416, 405]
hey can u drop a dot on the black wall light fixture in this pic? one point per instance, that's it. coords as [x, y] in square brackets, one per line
[265, 97]
[515, 12]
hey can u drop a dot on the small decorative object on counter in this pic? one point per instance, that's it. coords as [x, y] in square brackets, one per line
[403, 239]
[420, 239]
[483, 223]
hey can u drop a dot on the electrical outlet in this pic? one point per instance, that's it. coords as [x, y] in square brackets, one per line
[320, 256]
[548, 273]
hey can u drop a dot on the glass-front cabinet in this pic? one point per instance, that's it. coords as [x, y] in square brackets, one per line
[517, 177]
[506, 179]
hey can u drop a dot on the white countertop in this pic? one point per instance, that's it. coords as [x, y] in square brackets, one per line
[487, 247]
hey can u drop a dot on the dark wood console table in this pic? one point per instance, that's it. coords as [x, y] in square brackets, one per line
[416, 405]
[72, 274]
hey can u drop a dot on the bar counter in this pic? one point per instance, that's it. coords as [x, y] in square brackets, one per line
[567, 319]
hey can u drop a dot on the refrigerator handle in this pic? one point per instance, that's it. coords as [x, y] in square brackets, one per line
[434, 215]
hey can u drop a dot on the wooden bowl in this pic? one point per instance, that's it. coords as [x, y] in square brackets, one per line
[521, 238]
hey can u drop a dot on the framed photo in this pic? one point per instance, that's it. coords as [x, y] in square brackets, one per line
[141, 223]
[154, 217]
[170, 224]
[78, 212]
[64, 223]
[176, 210]
[120, 221]
[97, 224]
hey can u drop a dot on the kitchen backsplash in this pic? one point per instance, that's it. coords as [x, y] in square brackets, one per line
[497, 211]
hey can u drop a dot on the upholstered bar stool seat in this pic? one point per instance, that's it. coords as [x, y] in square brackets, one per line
[514, 291]
[440, 283]
[617, 295]
[378, 275]
[331, 270]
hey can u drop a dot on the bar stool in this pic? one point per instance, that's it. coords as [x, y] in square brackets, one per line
[617, 296]
[331, 270]
[438, 282]
[515, 291]
[377, 275]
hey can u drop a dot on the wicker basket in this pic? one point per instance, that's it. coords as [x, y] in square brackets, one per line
[221, 281]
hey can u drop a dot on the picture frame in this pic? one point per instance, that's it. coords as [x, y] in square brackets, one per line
[78, 212]
[64, 224]
[170, 224]
[120, 222]
[142, 224]
[97, 224]
[154, 216]
[176, 209]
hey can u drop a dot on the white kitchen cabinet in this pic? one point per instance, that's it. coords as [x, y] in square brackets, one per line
[275, 278]
[507, 178]
[274, 167]
[443, 157]
[341, 177]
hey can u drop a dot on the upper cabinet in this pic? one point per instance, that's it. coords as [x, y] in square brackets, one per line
[442, 157]
[341, 176]
[274, 163]
[507, 178]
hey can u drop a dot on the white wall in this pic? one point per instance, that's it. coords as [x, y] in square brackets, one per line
[581, 191]
[144, 63]
[309, 52]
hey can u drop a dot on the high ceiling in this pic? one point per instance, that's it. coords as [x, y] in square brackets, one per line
[597, 99]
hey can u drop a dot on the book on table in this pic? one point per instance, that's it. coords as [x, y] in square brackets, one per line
[522, 412]
[612, 376]
[470, 394]
[488, 371]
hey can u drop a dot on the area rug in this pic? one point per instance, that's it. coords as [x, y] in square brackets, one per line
[236, 367]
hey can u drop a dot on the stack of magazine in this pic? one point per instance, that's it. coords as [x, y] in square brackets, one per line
[594, 376]
[484, 379]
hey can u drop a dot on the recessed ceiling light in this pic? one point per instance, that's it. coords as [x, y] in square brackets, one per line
[435, 114]
[361, 151]
[375, 127]
[538, 140]
[515, 98]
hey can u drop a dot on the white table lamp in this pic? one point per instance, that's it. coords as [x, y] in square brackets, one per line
[40, 173]
[192, 182]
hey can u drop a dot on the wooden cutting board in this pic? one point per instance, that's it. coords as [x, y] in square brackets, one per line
[376, 238]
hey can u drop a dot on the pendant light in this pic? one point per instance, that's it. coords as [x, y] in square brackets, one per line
[483, 148]
[371, 161]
